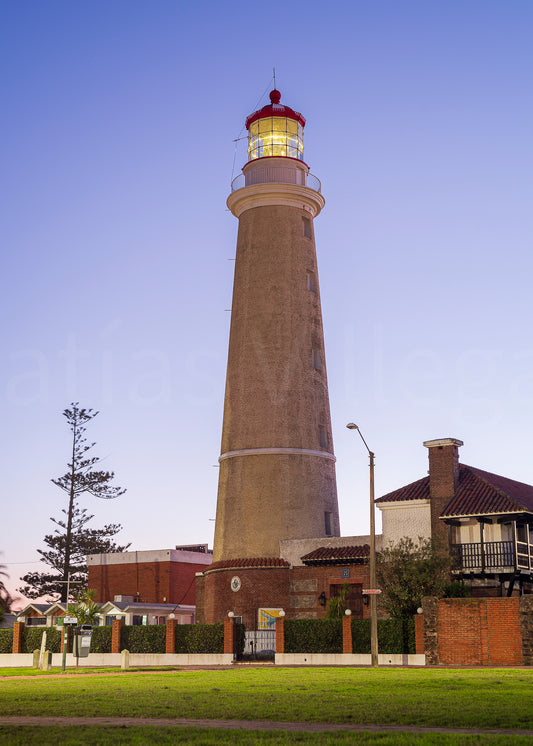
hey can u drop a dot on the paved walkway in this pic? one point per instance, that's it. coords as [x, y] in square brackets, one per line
[255, 725]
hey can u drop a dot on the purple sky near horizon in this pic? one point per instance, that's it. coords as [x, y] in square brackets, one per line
[117, 153]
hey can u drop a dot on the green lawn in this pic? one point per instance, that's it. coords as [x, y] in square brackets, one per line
[110, 736]
[485, 698]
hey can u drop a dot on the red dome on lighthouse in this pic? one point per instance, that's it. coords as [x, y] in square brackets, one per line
[275, 109]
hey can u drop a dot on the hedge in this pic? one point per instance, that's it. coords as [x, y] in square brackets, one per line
[139, 638]
[190, 638]
[325, 636]
[101, 640]
[6, 640]
[205, 638]
[313, 636]
[31, 639]
[390, 636]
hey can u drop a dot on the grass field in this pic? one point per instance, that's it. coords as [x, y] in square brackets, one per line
[488, 698]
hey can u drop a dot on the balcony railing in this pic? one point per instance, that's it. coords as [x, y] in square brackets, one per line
[311, 181]
[493, 555]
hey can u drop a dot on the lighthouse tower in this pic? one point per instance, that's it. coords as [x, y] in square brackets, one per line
[277, 467]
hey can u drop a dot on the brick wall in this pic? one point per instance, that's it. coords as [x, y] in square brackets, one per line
[473, 631]
[260, 588]
[296, 590]
[150, 582]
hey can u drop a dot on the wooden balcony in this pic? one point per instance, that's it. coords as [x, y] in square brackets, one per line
[493, 556]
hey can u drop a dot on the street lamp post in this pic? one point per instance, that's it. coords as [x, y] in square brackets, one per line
[372, 559]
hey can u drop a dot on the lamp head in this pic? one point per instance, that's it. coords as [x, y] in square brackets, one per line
[352, 426]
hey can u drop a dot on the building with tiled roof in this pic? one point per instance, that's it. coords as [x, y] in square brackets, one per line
[486, 519]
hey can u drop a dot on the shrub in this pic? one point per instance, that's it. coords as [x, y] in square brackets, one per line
[205, 638]
[313, 636]
[6, 640]
[31, 639]
[325, 635]
[101, 640]
[143, 638]
[181, 638]
[241, 639]
[457, 589]
[394, 636]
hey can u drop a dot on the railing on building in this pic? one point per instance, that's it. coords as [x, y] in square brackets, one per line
[491, 555]
[311, 181]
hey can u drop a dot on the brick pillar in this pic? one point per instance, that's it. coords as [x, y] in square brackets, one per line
[171, 636]
[115, 635]
[280, 634]
[18, 631]
[443, 480]
[229, 636]
[347, 634]
[430, 616]
[419, 634]
[526, 626]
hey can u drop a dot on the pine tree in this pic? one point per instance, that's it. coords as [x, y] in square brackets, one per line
[72, 541]
[5, 597]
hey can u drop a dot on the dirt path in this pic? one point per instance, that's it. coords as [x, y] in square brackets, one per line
[254, 725]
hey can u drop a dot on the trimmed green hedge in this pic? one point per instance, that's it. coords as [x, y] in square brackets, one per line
[190, 638]
[390, 636]
[101, 640]
[313, 636]
[143, 638]
[205, 638]
[6, 640]
[325, 636]
[31, 639]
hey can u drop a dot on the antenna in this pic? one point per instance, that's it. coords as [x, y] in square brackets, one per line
[274, 70]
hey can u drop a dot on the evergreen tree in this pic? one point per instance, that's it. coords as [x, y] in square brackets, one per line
[72, 541]
[407, 571]
[5, 596]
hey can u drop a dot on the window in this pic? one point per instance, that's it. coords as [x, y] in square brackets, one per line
[311, 282]
[137, 619]
[307, 227]
[317, 360]
[35, 621]
[322, 436]
[327, 523]
[275, 136]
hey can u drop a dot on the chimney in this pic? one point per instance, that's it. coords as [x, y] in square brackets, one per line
[443, 480]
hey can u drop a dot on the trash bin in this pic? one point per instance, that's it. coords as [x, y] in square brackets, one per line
[82, 640]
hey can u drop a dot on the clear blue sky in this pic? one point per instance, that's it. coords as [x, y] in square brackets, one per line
[117, 154]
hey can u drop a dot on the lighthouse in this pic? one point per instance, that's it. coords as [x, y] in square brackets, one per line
[277, 465]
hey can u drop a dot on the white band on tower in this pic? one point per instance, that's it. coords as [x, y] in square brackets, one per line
[276, 451]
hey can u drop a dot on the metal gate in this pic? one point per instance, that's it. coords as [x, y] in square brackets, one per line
[260, 642]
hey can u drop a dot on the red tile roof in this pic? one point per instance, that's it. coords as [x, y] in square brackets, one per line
[337, 555]
[478, 493]
[481, 493]
[415, 491]
[248, 562]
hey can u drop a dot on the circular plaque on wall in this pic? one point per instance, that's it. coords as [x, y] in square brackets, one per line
[235, 583]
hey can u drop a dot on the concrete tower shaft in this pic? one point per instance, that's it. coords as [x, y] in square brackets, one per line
[277, 468]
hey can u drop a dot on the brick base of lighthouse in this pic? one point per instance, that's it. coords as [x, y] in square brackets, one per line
[302, 592]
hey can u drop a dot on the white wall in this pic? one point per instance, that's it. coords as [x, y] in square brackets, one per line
[409, 518]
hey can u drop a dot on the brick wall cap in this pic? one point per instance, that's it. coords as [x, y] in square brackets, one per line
[439, 442]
